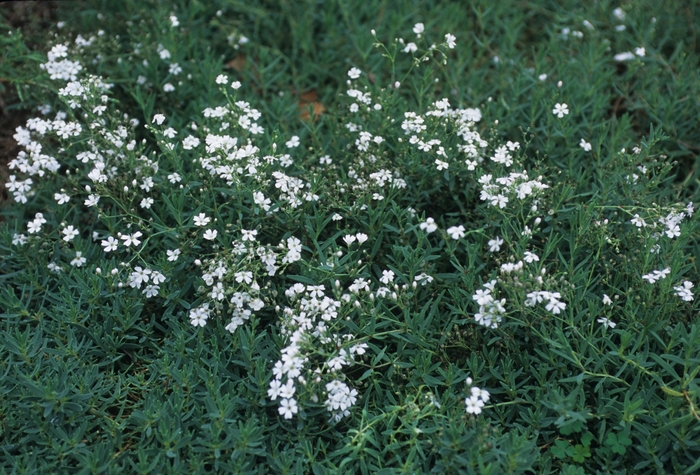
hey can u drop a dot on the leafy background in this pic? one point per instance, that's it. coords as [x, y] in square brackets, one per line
[94, 380]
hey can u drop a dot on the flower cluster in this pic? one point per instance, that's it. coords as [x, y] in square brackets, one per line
[308, 324]
[477, 398]
[500, 191]
[684, 292]
[656, 275]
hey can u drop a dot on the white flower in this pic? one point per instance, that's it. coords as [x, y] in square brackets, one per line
[19, 239]
[174, 178]
[606, 322]
[151, 291]
[157, 277]
[354, 73]
[456, 232]
[79, 260]
[560, 110]
[441, 165]
[236, 85]
[110, 244]
[530, 257]
[92, 200]
[450, 40]
[495, 244]
[361, 238]
[288, 407]
[174, 69]
[387, 277]
[130, 239]
[33, 227]
[139, 276]
[684, 292]
[349, 239]
[429, 225]
[190, 142]
[293, 142]
[586, 146]
[287, 391]
[619, 13]
[69, 232]
[168, 88]
[639, 222]
[656, 275]
[418, 28]
[607, 300]
[158, 118]
[626, 56]
[201, 220]
[641, 52]
[474, 405]
[249, 235]
[173, 255]
[410, 48]
[146, 203]
[244, 276]
[61, 198]
[555, 306]
[274, 391]
[221, 79]
[210, 234]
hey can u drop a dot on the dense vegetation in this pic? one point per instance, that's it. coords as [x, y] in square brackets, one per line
[351, 237]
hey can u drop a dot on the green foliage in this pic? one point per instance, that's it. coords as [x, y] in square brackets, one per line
[128, 361]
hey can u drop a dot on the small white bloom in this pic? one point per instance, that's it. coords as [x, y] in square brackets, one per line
[173, 255]
[61, 198]
[210, 234]
[626, 56]
[410, 48]
[293, 142]
[69, 233]
[456, 232]
[530, 257]
[249, 235]
[79, 260]
[560, 110]
[354, 73]
[110, 244]
[429, 225]
[495, 244]
[151, 291]
[387, 277]
[288, 407]
[158, 118]
[586, 146]
[131, 239]
[606, 322]
[201, 220]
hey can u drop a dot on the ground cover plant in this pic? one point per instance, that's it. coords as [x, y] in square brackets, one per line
[351, 237]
